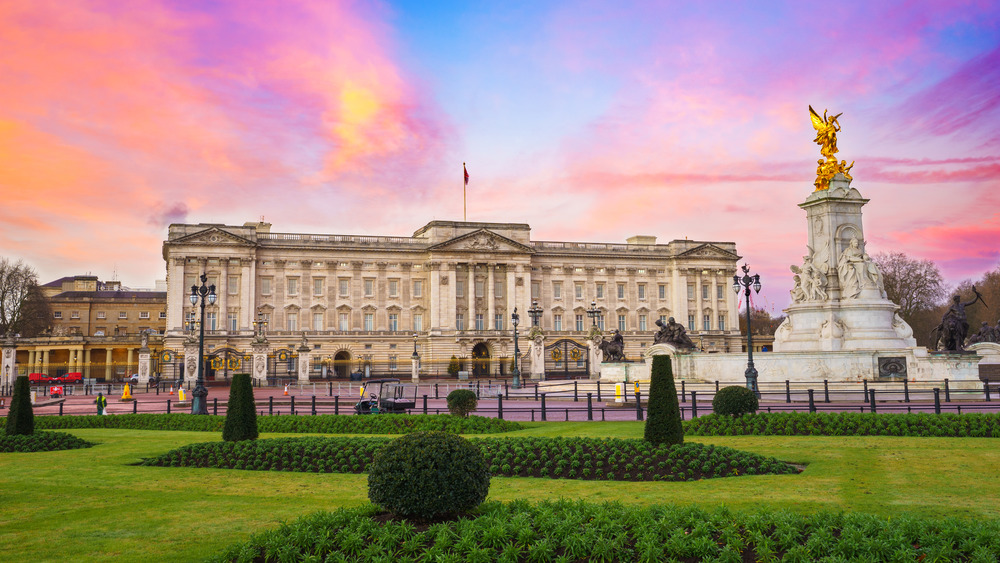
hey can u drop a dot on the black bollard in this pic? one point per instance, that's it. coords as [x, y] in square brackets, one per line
[543, 407]
[500, 406]
[291, 407]
[937, 401]
[576, 396]
[598, 390]
[157, 389]
[506, 390]
[135, 407]
[812, 403]
[215, 406]
[826, 391]
[716, 385]
[947, 392]
[314, 405]
[60, 409]
[638, 406]
[694, 404]
[536, 393]
[788, 392]
[590, 406]
[683, 393]
[567, 415]
[986, 390]
[906, 391]
[329, 389]
[436, 391]
[270, 405]
[336, 404]
[871, 400]
[425, 404]
[866, 390]
[168, 406]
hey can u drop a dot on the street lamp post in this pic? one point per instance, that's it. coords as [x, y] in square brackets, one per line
[199, 404]
[593, 312]
[514, 318]
[745, 283]
[536, 312]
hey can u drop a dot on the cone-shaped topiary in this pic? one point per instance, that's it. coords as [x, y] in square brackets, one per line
[21, 417]
[453, 367]
[426, 475]
[663, 415]
[735, 401]
[241, 415]
[461, 402]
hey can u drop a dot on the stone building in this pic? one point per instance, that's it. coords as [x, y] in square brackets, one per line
[95, 329]
[367, 302]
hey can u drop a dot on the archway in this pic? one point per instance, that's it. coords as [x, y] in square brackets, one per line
[481, 360]
[342, 364]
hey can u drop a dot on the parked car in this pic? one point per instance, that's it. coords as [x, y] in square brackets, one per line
[133, 379]
[39, 378]
[72, 377]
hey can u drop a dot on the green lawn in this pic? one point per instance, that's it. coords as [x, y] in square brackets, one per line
[90, 504]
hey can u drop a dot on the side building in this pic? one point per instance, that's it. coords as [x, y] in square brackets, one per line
[366, 303]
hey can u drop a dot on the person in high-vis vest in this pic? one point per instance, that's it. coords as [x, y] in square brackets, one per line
[102, 403]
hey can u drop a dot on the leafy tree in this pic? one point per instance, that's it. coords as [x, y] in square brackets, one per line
[453, 367]
[241, 413]
[663, 415]
[21, 417]
[23, 308]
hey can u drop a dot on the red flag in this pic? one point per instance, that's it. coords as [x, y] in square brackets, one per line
[466, 170]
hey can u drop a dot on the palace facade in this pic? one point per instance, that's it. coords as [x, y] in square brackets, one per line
[368, 302]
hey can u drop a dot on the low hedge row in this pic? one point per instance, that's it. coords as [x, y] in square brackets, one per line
[320, 424]
[972, 425]
[557, 458]
[576, 531]
[41, 442]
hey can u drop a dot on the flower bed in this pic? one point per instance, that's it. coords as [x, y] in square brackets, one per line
[320, 424]
[576, 531]
[41, 442]
[971, 425]
[558, 458]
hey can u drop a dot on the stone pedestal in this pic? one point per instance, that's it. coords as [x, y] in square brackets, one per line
[415, 368]
[145, 365]
[305, 355]
[536, 351]
[8, 372]
[259, 349]
[191, 360]
[594, 357]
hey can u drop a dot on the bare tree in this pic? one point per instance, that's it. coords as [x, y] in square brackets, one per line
[914, 285]
[23, 308]
[761, 321]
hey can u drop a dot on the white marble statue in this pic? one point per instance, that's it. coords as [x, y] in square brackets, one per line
[857, 272]
[809, 281]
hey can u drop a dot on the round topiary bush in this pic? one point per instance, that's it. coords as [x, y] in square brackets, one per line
[427, 475]
[735, 401]
[461, 402]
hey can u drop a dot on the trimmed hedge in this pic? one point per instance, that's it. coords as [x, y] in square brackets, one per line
[461, 402]
[320, 424]
[21, 416]
[428, 475]
[556, 458]
[972, 425]
[735, 401]
[576, 531]
[663, 417]
[41, 442]
[241, 413]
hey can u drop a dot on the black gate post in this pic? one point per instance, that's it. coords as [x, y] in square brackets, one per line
[812, 403]
[506, 390]
[638, 405]
[694, 404]
[986, 389]
[500, 406]
[866, 390]
[270, 405]
[871, 400]
[543, 407]
[576, 396]
[168, 406]
[61, 406]
[788, 392]
[135, 407]
[906, 391]
[826, 391]
[291, 408]
[598, 390]
[937, 401]
[683, 392]
[336, 404]
[590, 406]
[947, 392]
[314, 405]
[436, 392]
[425, 404]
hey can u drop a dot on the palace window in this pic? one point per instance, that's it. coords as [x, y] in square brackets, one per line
[233, 322]
[600, 291]
[142, 315]
[123, 314]
[393, 321]
[234, 285]
[690, 291]
[704, 292]
[57, 315]
[265, 286]
[101, 315]
[317, 286]
[369, 287]
[418, 322]
[317, 321]
[642, 322]
[557, 290]
[621, 322]
[578, 288]
[76, 315]
[459, 321]
[600, 322]
[663, 291]
[498, 289]
[293, 286]
[663, 319]
[706, 322]
[369, 321]
[691, 322]
[459, 288]
[393, 288]
[718, 292]
[536, 289]
[642, 291]
[498, 321]
[344, 321]
[393, 364]
[621, 291]
[579, 323]
[163, 315]
[479, 322]
[722, 321]
[418, 288]
[480, 288]
[345, 286]
[292, 321]
[557, 322]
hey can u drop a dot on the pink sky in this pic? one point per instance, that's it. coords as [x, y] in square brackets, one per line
[587, 122]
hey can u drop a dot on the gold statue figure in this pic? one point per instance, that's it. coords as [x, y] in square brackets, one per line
[826, 137]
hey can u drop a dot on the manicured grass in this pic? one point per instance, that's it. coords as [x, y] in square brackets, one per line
[92, 504]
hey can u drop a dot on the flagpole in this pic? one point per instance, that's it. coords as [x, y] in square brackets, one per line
[465, 184]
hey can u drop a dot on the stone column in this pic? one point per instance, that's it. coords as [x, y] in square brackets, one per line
[304, 357]
[145, 365]
[129, 357]
[470, 293]
[7, 371]
[434, 305]
[415, 368]
[490, 297]
[191, 360]
[536, 351]
[448, 315]
[86, 363]
[260, 349]
[511, 291]
[45, 361]
[596, 357]
[108, 355]
[223, 292]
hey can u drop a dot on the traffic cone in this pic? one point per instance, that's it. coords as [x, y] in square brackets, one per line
[126, 393]
[286, 390]
[171, 390]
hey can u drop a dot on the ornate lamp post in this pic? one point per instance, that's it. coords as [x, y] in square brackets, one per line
[593, 312]
[259, 325]
[199, 404]
[536, 312]
[745, 283]
[514, 318]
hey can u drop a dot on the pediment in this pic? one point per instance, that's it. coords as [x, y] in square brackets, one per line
[482, 240]
[214, 236]
[708, 250]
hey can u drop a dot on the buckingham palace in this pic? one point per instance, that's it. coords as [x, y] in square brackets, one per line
[368, 303]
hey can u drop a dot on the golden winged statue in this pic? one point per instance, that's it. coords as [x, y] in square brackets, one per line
[826, 137]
